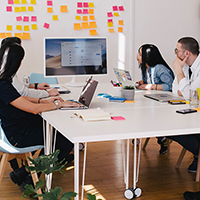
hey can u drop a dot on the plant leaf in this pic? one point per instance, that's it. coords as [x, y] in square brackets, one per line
[29, 190]
[68, 195]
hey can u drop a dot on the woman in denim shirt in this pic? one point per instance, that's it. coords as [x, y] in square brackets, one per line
[156, 74]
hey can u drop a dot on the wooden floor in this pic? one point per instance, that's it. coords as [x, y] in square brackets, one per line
[159, 180]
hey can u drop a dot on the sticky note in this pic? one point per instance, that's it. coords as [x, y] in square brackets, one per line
[49, 3]
[17, 9]
[10, 2]
[110, 20]
[85, 4]
[77, 26]
[120, 29]
[110, 24]
[85, 18]
[55, 17]
[93, 32]
[79, 11]
[109, 14]
[116, 14]
[85, 25]
[19, 27]
[78, 17]
[33, 2]
[85, 11]
[79, 5]
[129, 101]
[46, 25]
[23, 9]
[23, 1]
[93, 25]
[91, 11]
[121, 8]
[26, 36]
[92, 17]
[8, 34]
[115, 8]
[121, 22]
[30, 8]
[26, 19]
[19, 18]
[26, 28]
[91, 5]
[19, 35]
[34, 26]
[33, 18]
[2, 35]
[16, 1]
[117, 118]
[63, 9]
[49, 10]
[9, 8]
[9, 27]
[111, 30]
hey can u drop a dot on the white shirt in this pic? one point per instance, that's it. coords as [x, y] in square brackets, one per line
[25, 91]
[184, 85]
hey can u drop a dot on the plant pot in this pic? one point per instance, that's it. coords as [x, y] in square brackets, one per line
[129, 94]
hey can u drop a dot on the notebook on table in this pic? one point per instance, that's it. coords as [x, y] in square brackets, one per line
[163, 97]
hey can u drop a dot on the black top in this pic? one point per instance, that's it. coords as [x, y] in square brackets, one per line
[12, 118]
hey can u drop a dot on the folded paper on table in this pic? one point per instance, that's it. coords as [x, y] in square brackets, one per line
[93, 115]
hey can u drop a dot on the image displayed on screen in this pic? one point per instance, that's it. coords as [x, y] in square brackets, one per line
[75, 56]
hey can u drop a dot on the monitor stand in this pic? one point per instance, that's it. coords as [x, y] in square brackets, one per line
[73, 83]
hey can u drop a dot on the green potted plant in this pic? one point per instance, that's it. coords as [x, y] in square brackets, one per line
[129, 92]
[49, 164]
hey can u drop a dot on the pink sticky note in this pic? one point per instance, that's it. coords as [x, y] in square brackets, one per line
[115, 8]
[79, 11]
[10, 1]
[118, 118]
[26, 19]
[121, 8]
[9, 8]
[110, 20]
[79, 5]
[85, 5]
[110, 14]
[46, 25]
[85, 11]
[33, 18]
[49, 3]
[19, 18]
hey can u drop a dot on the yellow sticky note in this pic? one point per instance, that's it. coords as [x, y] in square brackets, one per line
[85, 18]
[49, 10]
[91, 5]
[111, 30]
[26, 36]
[17, 9]
[92, 17]
[63, 9]
[55, 17]
[93, 32]
[8, 34]
[9, 27]
[34, 26]
[19, 27]
[2, 35]
[16, 2]
[93, 25]
[91, 11]
[110, 24]
[120, 29]
[19, 35]
[23, 9]
[85, 25]
[198, 92]
[30, 8]
[116, 14]
[121, 22]
[77, 26]
[129, 101]
[24, 1]
[78, 17]
[33, 2]
[26, 28]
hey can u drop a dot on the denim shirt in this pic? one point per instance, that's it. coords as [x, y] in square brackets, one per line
[159, 74]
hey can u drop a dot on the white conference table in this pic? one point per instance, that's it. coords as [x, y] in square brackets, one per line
[144, 118]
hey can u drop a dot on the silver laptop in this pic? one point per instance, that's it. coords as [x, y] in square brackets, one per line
[86, 95]
[163, 97]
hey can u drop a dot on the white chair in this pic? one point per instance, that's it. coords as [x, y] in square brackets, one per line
[10, 152]
[39, 78]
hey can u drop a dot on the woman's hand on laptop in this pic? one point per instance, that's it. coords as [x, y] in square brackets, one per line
[51, 100]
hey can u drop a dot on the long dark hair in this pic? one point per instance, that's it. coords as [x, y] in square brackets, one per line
[11, 55]
[151, 56]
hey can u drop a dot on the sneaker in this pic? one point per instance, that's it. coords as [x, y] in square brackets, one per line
[163, 146]
[193, 166]
[191, 195]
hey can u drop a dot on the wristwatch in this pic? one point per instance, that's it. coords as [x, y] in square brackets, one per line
[36, 84]
[56, 103]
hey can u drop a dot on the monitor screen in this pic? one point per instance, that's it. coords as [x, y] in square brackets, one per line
[75, 56]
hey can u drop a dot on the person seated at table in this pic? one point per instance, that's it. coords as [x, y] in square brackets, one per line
[156, 75]
[37, 90]
[19, 115]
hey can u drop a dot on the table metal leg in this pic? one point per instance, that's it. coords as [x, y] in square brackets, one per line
[76, 170]
[83, 178]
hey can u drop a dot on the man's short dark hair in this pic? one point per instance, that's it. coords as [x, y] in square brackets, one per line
[190, 44]
[11, 40]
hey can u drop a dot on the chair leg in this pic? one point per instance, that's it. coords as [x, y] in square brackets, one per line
[4, 160]
[145, 143]
[198, 168]
[180, 157]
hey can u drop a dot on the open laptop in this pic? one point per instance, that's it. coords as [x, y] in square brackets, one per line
[86, 95]
[163, 97]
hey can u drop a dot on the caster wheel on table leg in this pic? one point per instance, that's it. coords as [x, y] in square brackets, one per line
[129, 193]
[138, 141]
[81, 146]
[137, 192]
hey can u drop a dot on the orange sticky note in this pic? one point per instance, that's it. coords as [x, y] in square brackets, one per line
[30, 8]
[93, 32]
[17, 9]
[120, 29]
[91, 5]
[9, 27]
[78, 17]
[77, 26]
[23, 1]
[63, 9]
[116, 14]
[111, 30]
[26, 28]
[2, 35]
[49, 10]
[85, 18]
[26, 36]
[18, 27]
[85, 25]
[55, 17]
[110, 24]
[34, 26]
[93, 25]
[19, 35]
[92, 17]
[121, 22]
[23, 9]
[91, 11]
[8, 34]
[16, 1]
[33, 2]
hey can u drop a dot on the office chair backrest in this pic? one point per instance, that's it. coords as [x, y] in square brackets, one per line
[39, 78]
